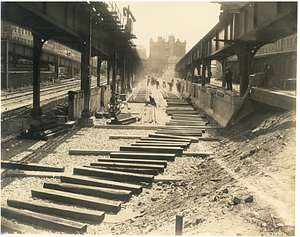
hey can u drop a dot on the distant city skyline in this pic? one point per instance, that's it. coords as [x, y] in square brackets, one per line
[188, 21]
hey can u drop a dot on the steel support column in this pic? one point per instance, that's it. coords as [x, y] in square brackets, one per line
[224, 65]
[128, 74]
[114, 74]
[245, 51]
[38, 43]
[193, 71]
[123, 84]
[99, 61]
[86, 70]
[57, 61]
[203, 72]
[208, 70]
[108, 72]
[5, 48]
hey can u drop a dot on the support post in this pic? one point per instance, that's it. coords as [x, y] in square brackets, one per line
[224, 65]
[209, 70]
[5, 48]
[128, 74]
[193, 71]
[99, 61]
[86, 70]
[179, 224]
[123, 85]
[57, 60]
[203, 72]
[245, 51]
[108, 72]
[114, 74]
[38, 43]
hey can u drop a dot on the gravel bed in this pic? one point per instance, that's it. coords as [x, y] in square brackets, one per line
[92, 138]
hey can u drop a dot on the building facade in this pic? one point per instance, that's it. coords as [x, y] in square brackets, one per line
[165, 54]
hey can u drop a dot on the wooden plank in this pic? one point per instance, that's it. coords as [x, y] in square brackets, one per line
[125, 169]
[167, 179]
[142, 155]
[114, 175]
[90, 152]
[153, 139]
[135, 161]
[183, 129]
[126, 136]
[185, 134]
[59, 210]
[157, 135]
[202, 154]
[10, 227]
[19, 173]
[84, 180]
[169, 150]
[108, 193]
[210, 138]
[129, 165]
[31, 166]
[137, 127]
[78, 199]
[43, 220]
[193, 116]
[153, 144]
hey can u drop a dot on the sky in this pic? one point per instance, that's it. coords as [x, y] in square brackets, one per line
[186, 20]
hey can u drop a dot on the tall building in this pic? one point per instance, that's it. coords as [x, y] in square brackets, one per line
[165, 54]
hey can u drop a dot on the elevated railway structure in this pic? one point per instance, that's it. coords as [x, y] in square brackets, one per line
[244, 27]
[91, 28]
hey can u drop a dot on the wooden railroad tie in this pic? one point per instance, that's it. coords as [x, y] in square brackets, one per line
[126, 136]
[143, 155]
[127, 169]
[57, 209]
[129, 165]
[153, 139]
[20, 173]
[202, 154]
[84, 180]
[78, 199]
[157, 135]
[43, 220]
[169, 150]
[107, 193]
[153, 144]
[114, 175]
[134, 161]
[30, 166]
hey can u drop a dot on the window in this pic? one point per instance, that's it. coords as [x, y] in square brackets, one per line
[291, 41]
[19, 30]
[22, 31]
[15, 29]
[287, 42]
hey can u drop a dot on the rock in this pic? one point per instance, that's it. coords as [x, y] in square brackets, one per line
[243, 156]
[236, 200]
[160, 183]
[199, 220]
[237, 169]
[252, 151]
[247, 161]
[204, 194]
[249, 199]
[154, 199]
[227, 154]
[225, 190]
[139, 203]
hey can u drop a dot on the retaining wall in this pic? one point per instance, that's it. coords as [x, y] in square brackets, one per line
[217, 104]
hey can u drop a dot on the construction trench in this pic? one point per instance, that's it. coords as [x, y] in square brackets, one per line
[80, 187]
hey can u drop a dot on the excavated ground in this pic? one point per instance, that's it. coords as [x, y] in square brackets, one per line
[247, 188]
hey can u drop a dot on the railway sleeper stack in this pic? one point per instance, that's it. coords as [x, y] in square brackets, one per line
[185, 119]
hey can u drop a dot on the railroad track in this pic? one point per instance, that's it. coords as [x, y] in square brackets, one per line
[104, 184]
[16, 103]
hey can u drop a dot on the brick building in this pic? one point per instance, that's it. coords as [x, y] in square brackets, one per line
[165, 54]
